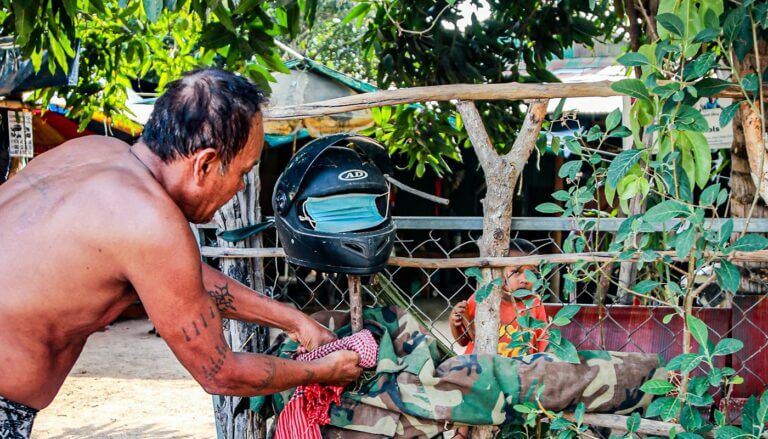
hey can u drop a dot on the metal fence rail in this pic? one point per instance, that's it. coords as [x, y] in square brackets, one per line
[430, 294]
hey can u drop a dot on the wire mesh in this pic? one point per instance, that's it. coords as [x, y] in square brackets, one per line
[601, 323]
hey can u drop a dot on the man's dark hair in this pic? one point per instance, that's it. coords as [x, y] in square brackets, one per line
[206, 108]
[522, 246]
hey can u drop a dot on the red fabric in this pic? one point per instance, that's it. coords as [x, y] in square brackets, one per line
[308, 408]
[508, 324]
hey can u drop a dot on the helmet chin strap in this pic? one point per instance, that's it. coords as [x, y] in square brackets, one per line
[418, 193]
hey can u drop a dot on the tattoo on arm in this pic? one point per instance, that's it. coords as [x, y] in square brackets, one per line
[223, 298]
[217, 361]
[269, 368]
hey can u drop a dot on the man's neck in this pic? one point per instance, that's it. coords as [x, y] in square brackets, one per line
[150, 161]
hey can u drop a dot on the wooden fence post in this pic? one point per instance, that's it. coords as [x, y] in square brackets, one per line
[501, 174]
[234, 420]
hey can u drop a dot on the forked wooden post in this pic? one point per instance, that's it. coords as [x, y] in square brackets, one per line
[355, 303]
[501, 174]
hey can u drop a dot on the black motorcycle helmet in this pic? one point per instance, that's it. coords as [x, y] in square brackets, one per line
[314, 200]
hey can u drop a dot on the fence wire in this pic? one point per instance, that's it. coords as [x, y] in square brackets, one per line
[601, 323]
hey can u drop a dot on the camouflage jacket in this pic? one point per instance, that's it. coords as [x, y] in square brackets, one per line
[413, 394]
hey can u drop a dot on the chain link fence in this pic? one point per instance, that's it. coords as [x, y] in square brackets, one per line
[600, 324]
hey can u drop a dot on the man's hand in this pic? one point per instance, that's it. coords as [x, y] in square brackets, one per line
[343, 367]
[311, 334]
[458, 313]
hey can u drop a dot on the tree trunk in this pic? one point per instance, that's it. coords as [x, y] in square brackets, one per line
[501, 174]
[234, 420]
[749, 162]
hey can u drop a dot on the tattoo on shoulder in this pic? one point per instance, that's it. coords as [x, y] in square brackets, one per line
[223, 298]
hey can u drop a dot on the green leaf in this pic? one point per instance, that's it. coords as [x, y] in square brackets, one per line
[579, 413]
[632, 59]
[707, 35]
[699, 67]
[702, 155]
[665, 211]
[620, 132]
[522, 408]
[698, 330]
[669, 411]
[671, 23]
[657, 387]
[700, 401]
[750, 83]
[58, 52]
[690, 119]
[549, 208]
[573, 145]
[730, 432]
[690, 419]
[566, 313]
[750, 243]
[474, 272]
[711, 86]
[728, 113]
[732, 23]
[749, 416]
[612, 120]
[566, 351]
[727, 276]
[570, 169]
[684, 242]
[709, 195]
[728, 346]
[631, 87]
[633, 422]
[646, 286]
[621, 164]
[657, 406]
[223, 15]
[685, 362]
[358, 11]
[153, 9]
[70, 6]
[24, 14]
[245, 6]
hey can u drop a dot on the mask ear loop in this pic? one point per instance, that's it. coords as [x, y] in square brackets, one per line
[388, 195]
[307, 217]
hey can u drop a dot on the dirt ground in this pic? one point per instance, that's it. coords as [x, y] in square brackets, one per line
[127, 384]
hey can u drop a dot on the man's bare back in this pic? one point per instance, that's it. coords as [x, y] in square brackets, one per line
[95, 224]
[61, 276]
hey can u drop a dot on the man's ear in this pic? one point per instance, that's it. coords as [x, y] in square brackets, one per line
[204, 162]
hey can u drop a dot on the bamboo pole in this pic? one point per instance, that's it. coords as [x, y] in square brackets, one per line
[619, 422]
[470, 92]
[355, 303]
[485, 262]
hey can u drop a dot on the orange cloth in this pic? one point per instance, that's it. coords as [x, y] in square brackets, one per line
[508, 325]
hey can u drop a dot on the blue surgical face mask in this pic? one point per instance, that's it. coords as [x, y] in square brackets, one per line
[343, 213]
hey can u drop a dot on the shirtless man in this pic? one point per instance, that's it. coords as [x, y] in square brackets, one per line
[94, 224]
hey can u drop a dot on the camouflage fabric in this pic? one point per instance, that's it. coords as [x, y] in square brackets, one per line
[15, 419]
[413, 394]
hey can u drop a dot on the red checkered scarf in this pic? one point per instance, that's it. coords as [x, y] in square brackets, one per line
[308, 408]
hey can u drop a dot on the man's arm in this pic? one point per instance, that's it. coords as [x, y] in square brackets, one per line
[236, 301]
[163, 265]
